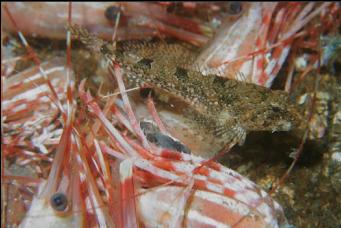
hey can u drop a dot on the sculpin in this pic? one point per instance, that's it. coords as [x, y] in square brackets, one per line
[229, 108]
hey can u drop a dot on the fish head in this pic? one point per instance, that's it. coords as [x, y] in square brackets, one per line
[275, 112]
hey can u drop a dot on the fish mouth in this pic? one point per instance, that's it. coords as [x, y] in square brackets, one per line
[284, 126]
[297, 116]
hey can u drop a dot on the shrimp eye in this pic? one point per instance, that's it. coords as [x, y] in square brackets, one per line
[234, 8]
[111, 12]
[59, 201]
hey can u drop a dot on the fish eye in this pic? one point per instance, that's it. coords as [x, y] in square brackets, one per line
[181, 73]
[106, 49]
[234, 8]
[147, 63]
[59, 201]
[275, 109]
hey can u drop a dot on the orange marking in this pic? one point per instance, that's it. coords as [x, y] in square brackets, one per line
[229, 192]
[171, 155]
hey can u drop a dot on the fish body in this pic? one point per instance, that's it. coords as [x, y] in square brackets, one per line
[229, 108]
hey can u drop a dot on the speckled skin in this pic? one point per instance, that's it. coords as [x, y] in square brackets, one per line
[229, 108]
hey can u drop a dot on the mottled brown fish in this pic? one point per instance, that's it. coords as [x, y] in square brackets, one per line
[229, 108]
